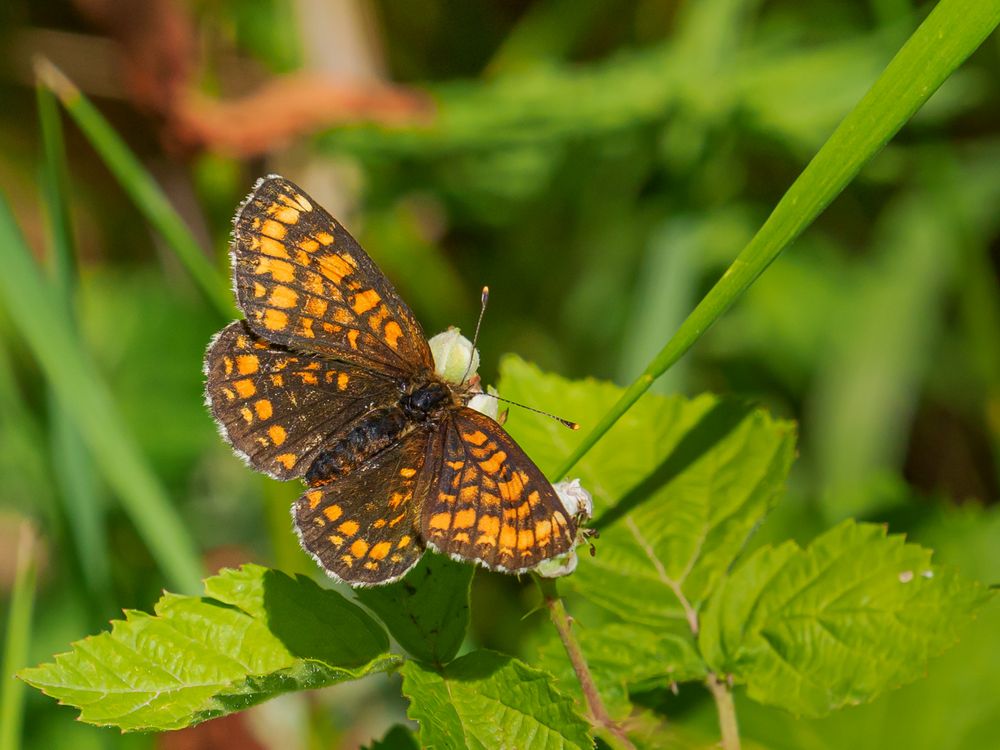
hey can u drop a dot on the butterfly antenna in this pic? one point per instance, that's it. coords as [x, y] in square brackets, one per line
[565, 422]
[475, 336]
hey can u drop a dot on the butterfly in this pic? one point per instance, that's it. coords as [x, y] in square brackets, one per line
[330, 379]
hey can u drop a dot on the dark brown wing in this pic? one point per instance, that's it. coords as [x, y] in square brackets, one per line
[277, 407]
[491, 503]
[363, 528]
[304, 282]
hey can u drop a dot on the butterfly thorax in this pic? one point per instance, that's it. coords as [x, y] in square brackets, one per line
[419, 404]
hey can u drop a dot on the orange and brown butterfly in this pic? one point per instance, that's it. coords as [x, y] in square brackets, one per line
[330, 379]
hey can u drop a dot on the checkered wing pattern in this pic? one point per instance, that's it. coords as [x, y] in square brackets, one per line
[277, 408]
[363, 528]
[491, 503]
[304, 282]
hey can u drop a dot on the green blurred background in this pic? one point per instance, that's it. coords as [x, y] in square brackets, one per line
[598, 164]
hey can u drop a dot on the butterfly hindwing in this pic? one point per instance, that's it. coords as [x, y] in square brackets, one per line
[276, 407]
[363, 527]
[491, 503]
[305, 283]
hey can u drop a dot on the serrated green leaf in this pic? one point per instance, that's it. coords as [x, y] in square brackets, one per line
[651, 659]
[259, 635]
[427, 611]
[397, 738]
[488, 700]
[853, 615]
[678, 487]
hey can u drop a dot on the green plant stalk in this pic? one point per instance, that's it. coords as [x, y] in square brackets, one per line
[613, 734]
[952, 32]
[139, 185]
[723, 696]
[76, 487]
[15, 653]
[85, 397]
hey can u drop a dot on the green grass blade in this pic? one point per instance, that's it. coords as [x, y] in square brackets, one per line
[87, 400]
[78, 493]
[140, 186]
[952, 32]
[18, 638]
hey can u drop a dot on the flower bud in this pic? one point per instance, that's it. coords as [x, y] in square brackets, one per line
[452, 354]
[580, 505]
[486, 404]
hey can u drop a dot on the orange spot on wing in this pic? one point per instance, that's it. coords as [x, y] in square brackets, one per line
[508, 536]
[263, 408]
[324, 238]
[403, 542]
[342, 380]
[273, 247]
[316, 306]
[365, 301]
[359, 547]
[350, 528]
[489, 525]
[352, 339]
[525, 539]
[543, 530]
[493, 463]
[282, 296]
[440, 521]
[247, 364]
[334, 267]
[275, 320]
[460, 536]
[380, 550]
[277, 434]
[287, 215]
[245, 388]
[476, 437]
[246, 414]
[464, 519]
[287, 460]
[306, 328]
[272, 228]
[309, 245]
[392, 333]
[407, 472]
[280, 270]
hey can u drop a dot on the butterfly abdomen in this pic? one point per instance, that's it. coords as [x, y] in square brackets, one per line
[372, 434]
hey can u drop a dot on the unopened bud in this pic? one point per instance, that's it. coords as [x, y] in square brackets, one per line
[452, 354]
[580, 505]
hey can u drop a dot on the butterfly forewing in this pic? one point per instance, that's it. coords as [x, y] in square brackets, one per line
[491, 503]
[304, 282]
[363, 528]
[276, 407]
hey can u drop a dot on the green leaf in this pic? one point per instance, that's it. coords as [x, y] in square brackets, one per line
[488, 700]
[397, 738]
[853, 615]
[427, 611]
[258, 634]
[678, 487]
[652, 659]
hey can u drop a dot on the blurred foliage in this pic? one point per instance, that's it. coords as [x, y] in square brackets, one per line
[598, 165]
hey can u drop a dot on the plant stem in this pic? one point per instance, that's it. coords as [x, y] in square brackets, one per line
[952, 32]
[727, 712]
[18, 639]
[599, 716]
